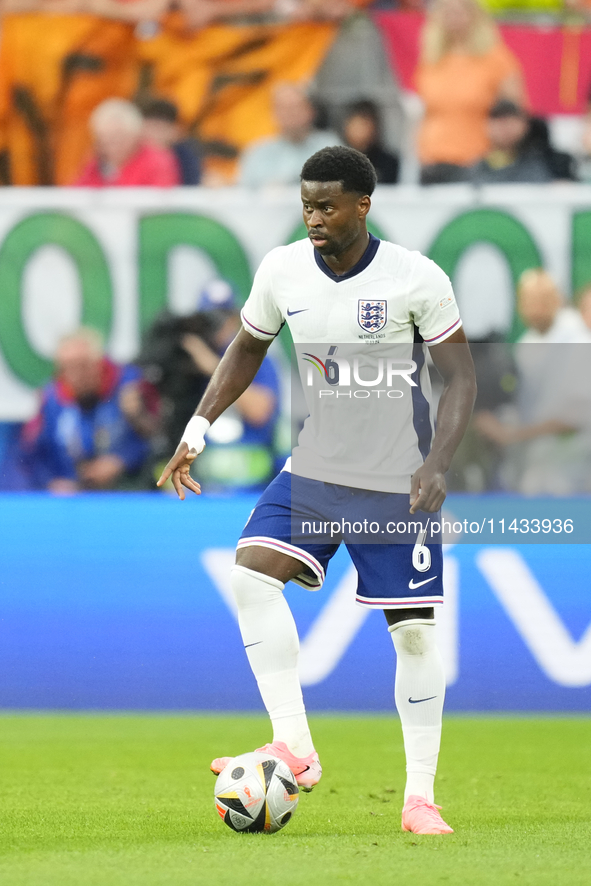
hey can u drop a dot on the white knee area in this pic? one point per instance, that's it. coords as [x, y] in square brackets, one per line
[249, 587]
[265, 620]
[416, 636]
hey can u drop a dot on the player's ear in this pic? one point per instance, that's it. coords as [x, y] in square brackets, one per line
[364, 205]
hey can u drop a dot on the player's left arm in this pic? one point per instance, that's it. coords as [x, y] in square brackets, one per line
[454, 361]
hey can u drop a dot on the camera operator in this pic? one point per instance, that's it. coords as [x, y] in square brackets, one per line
[179, 356]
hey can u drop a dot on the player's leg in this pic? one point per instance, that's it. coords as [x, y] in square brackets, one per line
[271, 640]
[271, 643]
[419, 693]
[265, 561]
[388, 580]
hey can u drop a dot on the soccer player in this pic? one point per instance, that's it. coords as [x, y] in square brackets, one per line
[342, 286]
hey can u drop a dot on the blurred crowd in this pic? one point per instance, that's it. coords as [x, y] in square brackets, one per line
[221, 92]
[476, 125]
[101, 426]
[531, 428]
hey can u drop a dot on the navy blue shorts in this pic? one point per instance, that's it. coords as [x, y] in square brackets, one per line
[390, 575]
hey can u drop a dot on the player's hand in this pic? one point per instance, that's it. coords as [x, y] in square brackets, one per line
[178, 468]
[427, 489]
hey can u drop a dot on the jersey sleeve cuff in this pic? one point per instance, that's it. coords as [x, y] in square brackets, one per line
[256, 331]
[436, 339]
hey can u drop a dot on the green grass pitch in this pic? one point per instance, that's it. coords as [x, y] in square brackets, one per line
[123, 800]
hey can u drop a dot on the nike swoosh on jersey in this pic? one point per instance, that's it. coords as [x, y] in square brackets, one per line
[412, 584]
[301, 311]
[419, 700]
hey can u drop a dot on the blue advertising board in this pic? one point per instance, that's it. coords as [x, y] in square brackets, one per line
[122, 602]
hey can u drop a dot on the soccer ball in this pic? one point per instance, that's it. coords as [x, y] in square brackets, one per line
[256, 793]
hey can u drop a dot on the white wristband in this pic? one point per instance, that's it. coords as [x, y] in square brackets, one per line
[195, 432]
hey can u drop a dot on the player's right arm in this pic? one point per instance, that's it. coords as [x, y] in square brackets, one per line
[234, 374]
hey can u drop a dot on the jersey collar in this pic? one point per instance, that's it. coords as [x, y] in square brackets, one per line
[365, 260]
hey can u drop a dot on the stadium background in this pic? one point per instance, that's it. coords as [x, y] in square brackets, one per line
[119, 602]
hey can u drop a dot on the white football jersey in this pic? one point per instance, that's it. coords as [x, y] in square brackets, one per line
[370, 426]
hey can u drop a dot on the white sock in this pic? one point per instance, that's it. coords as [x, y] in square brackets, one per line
[271, 640]
[419, 693]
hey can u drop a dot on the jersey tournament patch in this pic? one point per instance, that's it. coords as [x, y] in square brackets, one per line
[372, 315]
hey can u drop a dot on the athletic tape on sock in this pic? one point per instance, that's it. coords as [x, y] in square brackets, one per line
[411, 621]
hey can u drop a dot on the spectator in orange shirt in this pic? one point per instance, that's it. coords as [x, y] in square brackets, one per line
[464, 69]
[122, 157]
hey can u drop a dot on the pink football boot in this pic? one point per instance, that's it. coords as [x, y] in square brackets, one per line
[421, 817]
[307, 770]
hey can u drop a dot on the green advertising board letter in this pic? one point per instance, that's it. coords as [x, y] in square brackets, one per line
[22, 242]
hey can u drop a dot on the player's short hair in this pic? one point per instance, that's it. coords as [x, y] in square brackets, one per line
[345, 165]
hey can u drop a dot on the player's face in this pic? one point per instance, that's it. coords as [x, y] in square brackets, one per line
[334, 218]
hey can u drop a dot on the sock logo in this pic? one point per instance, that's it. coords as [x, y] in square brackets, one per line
[419, 700]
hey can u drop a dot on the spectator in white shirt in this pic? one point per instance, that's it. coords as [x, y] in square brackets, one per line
[548, 439]
[278, 161]
[543, 310]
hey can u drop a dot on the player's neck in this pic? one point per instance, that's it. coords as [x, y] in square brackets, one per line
[342, 263]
